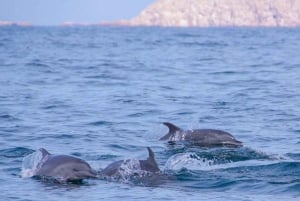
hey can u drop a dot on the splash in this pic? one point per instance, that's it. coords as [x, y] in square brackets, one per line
[188, 161]
[130, 172]
[206, 162]
[178, 136]
[127, 170]
[32, 163]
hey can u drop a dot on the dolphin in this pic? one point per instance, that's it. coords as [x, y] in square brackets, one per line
[201, 137]
[63, 168]
[148, 165]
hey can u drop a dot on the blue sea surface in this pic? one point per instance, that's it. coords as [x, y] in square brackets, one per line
[102, 93]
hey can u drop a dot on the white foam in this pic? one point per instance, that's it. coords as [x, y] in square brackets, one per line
[188, 161]
[31, 164]
[129, 171]
[192, 161]
[129, 168]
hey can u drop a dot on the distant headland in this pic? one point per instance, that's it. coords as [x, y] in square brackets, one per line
[207, 13]
[11, 23]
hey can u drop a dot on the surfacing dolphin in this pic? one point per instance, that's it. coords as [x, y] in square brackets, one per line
[201, 137]
[148, 165]
[63, 168]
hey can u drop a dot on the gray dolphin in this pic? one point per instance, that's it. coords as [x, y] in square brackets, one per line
[201, 137]
[148, 165]
[64, 168]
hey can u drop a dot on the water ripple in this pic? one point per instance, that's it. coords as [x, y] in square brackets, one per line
[101, 93]
[15, 152]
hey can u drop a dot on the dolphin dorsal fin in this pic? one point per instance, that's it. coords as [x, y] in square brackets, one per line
[44, 152]
[45, 155]
[151, 160]
[172, 127]
[172, 130]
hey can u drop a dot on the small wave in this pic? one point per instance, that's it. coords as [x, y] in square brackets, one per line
[55, 105]
[218, 159]
[187, 35]
[137, 114]
[100, 123]
[281, 176]
[293, 155]
[63, 136]
[15, 152]
[224, 155]
[204, 44]
[8, 117]
[36, 64]
[225, 72]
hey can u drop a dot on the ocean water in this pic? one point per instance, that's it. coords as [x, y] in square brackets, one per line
[102, 93]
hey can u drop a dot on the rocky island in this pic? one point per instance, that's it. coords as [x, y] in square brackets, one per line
[206, 13]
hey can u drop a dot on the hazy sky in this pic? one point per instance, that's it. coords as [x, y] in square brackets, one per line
[54, 12]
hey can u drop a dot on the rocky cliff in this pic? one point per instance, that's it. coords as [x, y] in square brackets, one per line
[203, 13]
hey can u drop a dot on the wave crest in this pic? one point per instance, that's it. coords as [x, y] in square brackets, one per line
[189, 161]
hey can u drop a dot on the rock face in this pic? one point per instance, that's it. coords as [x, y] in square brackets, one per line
[204, 13]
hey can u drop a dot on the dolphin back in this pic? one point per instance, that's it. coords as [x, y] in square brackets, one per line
[212, 138]
[65, 168]
[112, 168]
[172, 130]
